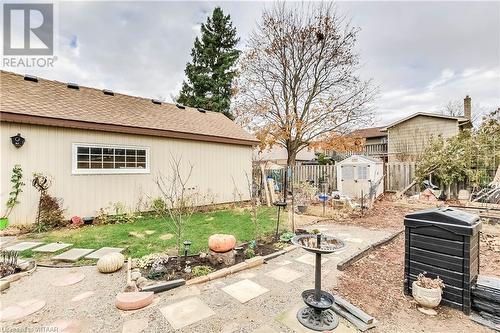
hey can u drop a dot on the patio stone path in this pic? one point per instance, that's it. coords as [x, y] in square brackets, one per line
[261, 299]
[285, 274]
[103, 251]
[23, 246]
[245, 290]
[310, 259]
[72, 255]
[186, 312]
[67, 279]
[135, 325]
[22, 309]
[82, 296]
[52, 247]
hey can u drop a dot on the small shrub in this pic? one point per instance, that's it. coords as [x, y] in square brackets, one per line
[249, 253]
[153, 260]
[117, 213]
[201, 270]
[50, 213]
[315, 231]
[286, 237]
[429, 283]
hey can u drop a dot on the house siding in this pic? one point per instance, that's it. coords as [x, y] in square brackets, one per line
[407, 140]
[219, 170]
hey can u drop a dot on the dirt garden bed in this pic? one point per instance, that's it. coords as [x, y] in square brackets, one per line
[375, 283]
[199, 264]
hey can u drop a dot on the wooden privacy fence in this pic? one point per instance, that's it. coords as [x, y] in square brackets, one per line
[316, 174]
[399, 175]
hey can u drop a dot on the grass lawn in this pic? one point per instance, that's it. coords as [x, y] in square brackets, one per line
[201, 225]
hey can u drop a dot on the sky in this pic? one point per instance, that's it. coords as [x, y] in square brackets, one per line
[421, 55]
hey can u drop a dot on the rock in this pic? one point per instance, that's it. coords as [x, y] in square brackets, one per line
[226, 258]
[203, 255]
[135, 275]
[141, 282]
[134, 300]
[4, 284]
[149, 232]
[26, 265]
[136, 234]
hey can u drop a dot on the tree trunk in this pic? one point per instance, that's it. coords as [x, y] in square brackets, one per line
[290, 162]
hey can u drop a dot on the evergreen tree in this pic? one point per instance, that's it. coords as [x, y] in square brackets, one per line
[211, 71]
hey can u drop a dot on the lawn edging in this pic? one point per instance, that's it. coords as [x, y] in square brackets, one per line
[365, 251]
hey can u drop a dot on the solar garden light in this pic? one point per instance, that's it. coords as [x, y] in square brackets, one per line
[187, 244]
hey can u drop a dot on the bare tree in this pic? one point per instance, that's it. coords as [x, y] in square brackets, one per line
[298, 78]
[179, 200]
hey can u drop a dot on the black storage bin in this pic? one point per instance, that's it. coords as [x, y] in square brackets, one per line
[443, 242]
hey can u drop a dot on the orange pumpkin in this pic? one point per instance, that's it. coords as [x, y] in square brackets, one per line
[221, 242]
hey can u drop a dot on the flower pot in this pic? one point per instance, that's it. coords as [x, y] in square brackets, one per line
[88, 220]
[302, 209]
[428, 298]
[4, 222]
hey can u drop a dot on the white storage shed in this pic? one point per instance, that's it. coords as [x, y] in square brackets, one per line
[360, 174]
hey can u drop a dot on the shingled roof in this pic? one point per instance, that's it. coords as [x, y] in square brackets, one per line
[53, 103]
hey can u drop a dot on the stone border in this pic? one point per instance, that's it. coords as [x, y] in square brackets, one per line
[16, 277]
[364, 251]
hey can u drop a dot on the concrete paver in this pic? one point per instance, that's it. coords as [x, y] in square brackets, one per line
[52, 247]
[186, 312]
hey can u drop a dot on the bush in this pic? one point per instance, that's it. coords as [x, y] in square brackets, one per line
[249, 253]
[201, 270]
[50, 213]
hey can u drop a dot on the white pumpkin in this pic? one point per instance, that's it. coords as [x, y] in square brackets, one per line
[110, 263]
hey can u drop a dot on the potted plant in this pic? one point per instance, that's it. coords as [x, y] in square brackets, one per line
[17, 183]
[427, 291]
[304, 193]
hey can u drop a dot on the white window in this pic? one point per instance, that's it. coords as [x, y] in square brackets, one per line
[108, 159]
[362, 171]
[347, 172]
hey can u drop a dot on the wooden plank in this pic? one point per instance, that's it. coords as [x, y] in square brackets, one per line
[360, 325]
[363, 316]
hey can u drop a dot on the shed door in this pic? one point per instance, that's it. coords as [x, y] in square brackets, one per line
[355, 178]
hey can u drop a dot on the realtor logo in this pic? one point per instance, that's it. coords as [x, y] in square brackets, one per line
[28, 29]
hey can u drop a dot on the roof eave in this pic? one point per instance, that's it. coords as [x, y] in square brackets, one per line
[77, 124]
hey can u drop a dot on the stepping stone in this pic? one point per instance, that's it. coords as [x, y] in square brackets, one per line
[4, 240]
[134, 300]
[310, 259]
[65, 326]
[149, 232]
[186, 312]
[21, 309]
[284, 274]
[82, 296]
[284, 263]
[67, 279]
[23, 246]
[135, 325]
[72, 255]
[245, 290]
[52, 247]
[103, 251]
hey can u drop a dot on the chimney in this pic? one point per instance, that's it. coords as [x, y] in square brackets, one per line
[467, 107]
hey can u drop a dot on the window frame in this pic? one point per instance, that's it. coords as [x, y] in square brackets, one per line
[76, 171]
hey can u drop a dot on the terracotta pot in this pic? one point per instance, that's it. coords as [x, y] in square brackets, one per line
[428, 298]
[221, 243]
